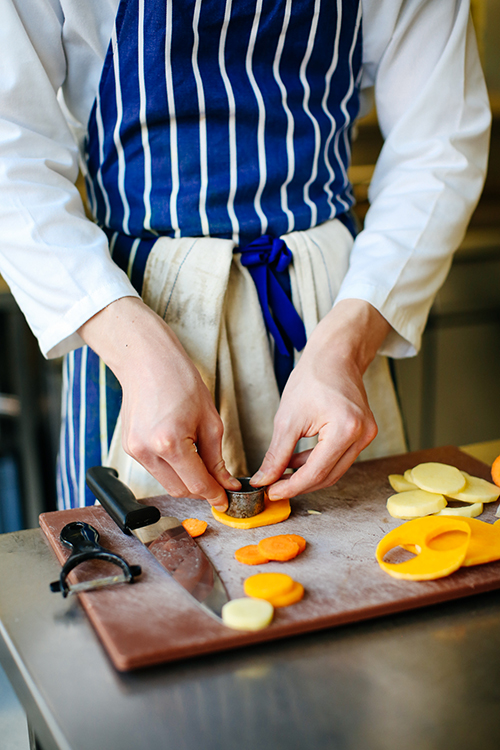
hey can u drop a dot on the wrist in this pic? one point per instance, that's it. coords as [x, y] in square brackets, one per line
[352, 331]
[125, 333]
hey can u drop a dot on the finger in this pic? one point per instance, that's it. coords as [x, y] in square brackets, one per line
[319, 471]
[277, 457]
[298, 459]
[210, 450]
[169, 479]
[189, 467]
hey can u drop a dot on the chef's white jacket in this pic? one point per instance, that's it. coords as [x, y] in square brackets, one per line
[421, 64]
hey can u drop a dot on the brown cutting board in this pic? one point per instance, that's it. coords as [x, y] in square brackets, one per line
[154, 620]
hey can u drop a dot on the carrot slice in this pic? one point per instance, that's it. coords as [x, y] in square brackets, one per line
[268, 585]
[250, 555]
[194, 526]
[495, 471]
[279, 548]
[293, 596]
[299, 539]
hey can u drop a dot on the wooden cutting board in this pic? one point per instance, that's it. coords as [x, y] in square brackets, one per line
[154, 620]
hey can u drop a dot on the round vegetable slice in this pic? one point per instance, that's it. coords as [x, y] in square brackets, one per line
[435, 559]
[279, 548]
[470, 510]
[414, 504]
[477, 490]
[194, 526]
[293, 596]
[439, 478]
[495, 471]
[275, 512]
[299, 539]
[247, 614]
[484, 545]
[268, 585]
[400, 484]
[250, 555]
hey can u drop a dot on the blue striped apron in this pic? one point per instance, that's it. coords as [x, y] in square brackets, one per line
[226, 119]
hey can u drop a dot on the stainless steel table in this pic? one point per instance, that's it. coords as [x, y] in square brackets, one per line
[421, 681]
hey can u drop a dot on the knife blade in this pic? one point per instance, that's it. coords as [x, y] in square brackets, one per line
[164, 536]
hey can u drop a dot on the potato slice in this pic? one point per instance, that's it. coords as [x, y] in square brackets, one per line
[407, 476]
[414, 504]
[439, 478]
[476, 490]
[247, 614]
[470, 510]
[400, 484]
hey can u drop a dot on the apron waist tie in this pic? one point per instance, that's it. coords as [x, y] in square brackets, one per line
[267, 260]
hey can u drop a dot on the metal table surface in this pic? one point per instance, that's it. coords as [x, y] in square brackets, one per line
[424, 680]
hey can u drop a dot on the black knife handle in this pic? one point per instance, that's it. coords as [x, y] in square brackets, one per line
[118, 500]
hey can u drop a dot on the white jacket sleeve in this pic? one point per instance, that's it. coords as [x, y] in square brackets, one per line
[434, 116]
[55, 260]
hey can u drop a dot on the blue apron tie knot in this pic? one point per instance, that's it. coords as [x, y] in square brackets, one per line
[266, 257]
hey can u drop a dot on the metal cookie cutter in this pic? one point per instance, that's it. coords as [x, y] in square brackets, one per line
[82, 539]
[247, 502]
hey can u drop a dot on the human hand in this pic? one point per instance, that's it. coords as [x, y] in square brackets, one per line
[325, 396]
[169, 422]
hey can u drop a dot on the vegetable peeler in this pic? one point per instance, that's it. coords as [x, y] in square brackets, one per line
[82, 539]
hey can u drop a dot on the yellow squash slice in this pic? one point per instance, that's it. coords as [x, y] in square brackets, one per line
[438, 553]
[268, 585]
[274, 512]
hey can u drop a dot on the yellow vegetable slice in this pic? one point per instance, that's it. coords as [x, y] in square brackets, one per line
[425, 535]
[275, 512]
[439, 478]
[470, 510]
[268, 585]
[400, 484]
[414, 504]
[247, 614]
[476, 490]
[484, 545]
[293, 596]
[407, 476]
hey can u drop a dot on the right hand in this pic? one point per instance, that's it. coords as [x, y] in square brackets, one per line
[169, 422]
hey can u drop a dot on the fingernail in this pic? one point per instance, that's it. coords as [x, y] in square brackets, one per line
[233, 483]
[258, 478]
[221, 507]
[273, 496]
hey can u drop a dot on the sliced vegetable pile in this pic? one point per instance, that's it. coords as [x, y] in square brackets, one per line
[429, 487]
[277, 588]
[281, 547]
[273, 589]
[442, 545]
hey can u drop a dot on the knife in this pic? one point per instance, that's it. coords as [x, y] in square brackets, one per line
[164, 536]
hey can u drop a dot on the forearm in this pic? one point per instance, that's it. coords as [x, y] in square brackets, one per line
[128, 336]
[352, 332]
[169, 421]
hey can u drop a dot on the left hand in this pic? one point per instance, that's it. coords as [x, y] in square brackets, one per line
[325, 396]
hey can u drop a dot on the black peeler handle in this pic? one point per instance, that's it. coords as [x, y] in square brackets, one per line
[82, 539]
[118, 500]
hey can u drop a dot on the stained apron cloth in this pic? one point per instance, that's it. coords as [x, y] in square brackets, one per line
[215, 124]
